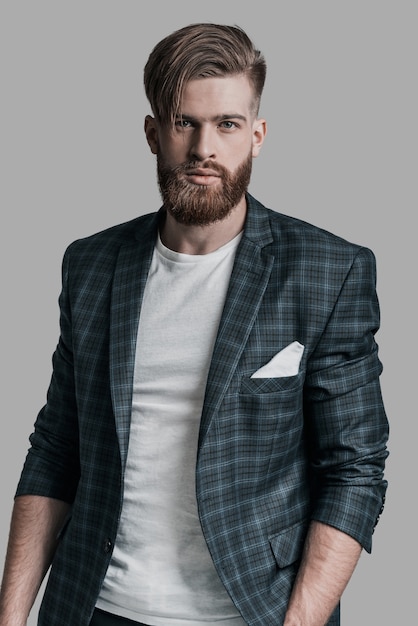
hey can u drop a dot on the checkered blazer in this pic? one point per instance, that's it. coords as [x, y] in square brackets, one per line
[273, 453]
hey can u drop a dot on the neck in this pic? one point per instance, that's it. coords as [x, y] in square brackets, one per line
[189, 239]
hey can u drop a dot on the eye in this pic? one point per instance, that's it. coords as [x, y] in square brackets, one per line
[228, 125]
[180, 123]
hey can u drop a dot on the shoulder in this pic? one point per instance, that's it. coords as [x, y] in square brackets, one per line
[94, 258]
[116, 235]
[107, 243]
[301, 240]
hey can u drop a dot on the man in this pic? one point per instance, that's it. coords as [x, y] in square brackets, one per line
[213, 444]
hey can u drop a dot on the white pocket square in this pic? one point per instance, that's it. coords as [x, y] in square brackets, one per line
[284, 363]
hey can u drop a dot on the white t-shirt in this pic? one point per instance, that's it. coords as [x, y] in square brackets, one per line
[161, 572]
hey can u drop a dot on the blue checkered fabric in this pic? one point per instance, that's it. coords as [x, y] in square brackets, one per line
[273, 453]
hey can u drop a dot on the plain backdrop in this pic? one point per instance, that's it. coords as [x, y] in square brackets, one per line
[341, 152]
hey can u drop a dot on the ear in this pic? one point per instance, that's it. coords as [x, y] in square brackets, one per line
[151, 133]
[259, 133]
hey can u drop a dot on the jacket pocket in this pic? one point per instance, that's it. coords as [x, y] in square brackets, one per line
[287, 546]
[272, 385]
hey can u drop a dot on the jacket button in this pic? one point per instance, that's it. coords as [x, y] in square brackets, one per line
[107, 546]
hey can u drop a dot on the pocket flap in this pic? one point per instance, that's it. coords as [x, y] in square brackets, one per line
[287, 545]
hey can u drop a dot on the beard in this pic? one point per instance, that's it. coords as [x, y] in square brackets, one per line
[201, 205]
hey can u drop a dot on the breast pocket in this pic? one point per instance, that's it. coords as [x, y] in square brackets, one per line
[265, 417]
[282, 385]
[272, 404]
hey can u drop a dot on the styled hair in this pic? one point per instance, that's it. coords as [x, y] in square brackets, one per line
[199, 51]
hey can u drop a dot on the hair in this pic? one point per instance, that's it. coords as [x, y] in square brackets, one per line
[199, 51]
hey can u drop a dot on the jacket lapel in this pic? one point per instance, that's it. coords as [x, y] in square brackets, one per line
[249, 279]
[130, 277]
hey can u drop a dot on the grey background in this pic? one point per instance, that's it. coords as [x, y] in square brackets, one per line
[341, 151]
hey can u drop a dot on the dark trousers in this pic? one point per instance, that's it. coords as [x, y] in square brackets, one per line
[101, 618]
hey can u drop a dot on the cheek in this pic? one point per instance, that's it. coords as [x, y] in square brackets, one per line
[173, 151]
[239, 154]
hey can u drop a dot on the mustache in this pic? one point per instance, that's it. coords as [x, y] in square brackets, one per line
[184, 168]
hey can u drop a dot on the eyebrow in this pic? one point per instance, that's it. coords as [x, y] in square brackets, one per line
[217, 118]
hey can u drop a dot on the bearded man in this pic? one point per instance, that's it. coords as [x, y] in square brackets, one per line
[213, 444]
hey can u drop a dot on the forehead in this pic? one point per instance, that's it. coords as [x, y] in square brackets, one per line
[224, 95]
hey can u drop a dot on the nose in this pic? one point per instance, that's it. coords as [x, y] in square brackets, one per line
[203, 144]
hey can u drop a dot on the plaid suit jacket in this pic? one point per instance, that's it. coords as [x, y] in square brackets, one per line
[273, 453]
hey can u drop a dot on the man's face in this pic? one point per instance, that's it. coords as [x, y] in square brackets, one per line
[204, 161]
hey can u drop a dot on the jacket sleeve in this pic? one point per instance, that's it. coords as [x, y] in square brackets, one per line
[344, 411]
[51, 467]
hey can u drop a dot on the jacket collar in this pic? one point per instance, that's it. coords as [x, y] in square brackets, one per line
[257, 224]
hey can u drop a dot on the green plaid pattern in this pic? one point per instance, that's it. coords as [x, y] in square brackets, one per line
[273, 453]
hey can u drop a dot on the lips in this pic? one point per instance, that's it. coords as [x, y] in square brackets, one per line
[202, 176]
[202, 171]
